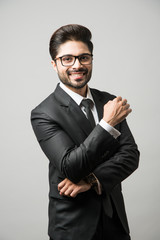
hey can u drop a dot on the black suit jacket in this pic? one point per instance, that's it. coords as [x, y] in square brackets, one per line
[75, 150]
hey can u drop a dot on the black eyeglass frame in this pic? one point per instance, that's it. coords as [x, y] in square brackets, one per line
[75, 57]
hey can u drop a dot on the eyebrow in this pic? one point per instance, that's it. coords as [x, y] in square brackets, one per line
[75, 55]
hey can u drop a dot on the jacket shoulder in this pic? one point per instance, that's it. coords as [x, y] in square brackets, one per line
[46, 106]
[102, 94]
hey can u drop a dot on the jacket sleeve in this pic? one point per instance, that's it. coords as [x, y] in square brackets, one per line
[73, 162]
[121, 164]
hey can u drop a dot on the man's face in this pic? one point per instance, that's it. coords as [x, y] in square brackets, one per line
[76, 76]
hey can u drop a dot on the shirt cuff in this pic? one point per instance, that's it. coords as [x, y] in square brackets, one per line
[114, 132]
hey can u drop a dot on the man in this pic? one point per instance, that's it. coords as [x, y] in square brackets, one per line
[91, 150]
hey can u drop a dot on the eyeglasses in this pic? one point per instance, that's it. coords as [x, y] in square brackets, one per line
[69, 60]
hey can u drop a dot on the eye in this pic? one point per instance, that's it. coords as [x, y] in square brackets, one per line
[67, 59]
[85, 58]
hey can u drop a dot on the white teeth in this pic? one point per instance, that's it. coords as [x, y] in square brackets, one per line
[77, 75]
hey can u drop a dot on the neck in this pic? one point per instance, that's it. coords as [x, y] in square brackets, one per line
[81, 91]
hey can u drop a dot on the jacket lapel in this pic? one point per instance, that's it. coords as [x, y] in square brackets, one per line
[72, 113]
[98, 102]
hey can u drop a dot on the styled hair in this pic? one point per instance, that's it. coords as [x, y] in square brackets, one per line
[71, 32]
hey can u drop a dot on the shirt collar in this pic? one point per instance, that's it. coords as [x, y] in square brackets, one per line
[75, 96]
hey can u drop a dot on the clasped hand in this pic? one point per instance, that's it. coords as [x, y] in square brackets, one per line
[116, 110]
[70, 189]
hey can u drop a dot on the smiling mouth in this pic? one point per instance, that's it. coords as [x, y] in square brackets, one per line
[77, 75]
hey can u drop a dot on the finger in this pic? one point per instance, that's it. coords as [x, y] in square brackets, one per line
[119, 98]
[63, 190]
[124, 102]
[68, 192]
[128, 111]
[61, 185]
[74, 193]
[126, 106]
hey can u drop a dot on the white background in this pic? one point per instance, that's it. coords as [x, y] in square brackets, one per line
[126, 37]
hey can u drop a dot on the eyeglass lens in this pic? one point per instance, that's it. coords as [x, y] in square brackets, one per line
[69, 60]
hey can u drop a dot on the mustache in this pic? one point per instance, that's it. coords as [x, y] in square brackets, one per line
[84, 70]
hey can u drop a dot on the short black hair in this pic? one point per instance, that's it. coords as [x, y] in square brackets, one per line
[70, 32]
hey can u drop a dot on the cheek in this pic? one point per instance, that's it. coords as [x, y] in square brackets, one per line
[63, 73]
[89, 70]
[60, 70]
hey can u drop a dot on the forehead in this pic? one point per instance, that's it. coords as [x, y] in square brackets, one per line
[72, 47]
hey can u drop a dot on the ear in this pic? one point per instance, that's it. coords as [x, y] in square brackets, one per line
[54, 65]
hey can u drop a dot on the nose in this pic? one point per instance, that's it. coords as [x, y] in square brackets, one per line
[77, 64]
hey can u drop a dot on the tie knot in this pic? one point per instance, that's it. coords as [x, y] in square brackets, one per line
[87, 103]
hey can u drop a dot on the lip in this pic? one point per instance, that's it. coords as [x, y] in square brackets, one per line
[77, 73]
[77, 76]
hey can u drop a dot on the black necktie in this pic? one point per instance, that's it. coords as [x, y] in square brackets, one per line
[88, 104]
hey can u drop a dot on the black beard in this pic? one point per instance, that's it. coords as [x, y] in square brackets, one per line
[67, 83]
[76, 87]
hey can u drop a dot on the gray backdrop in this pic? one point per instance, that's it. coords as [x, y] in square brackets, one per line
[126, 36]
